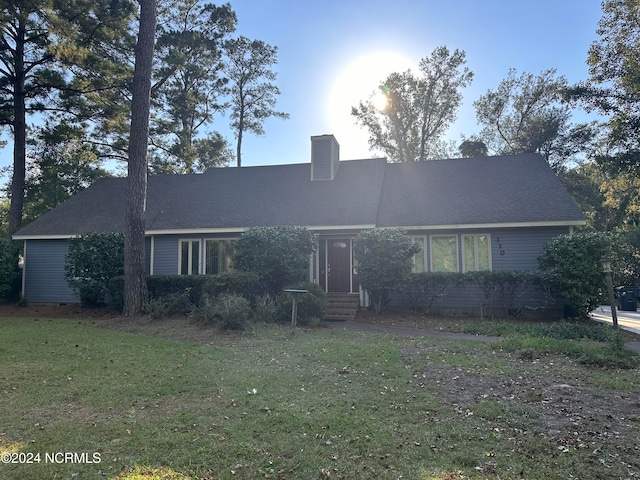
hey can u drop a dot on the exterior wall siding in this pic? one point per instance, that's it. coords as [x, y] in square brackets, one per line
[511, 249]
[165, 254]
[43, 274]
[519, 249]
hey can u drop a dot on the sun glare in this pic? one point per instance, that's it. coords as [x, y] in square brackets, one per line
[379, 99]
[358, 82]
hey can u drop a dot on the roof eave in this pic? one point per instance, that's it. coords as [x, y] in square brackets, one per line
[465, 226]
[44, 237]
[320, 228]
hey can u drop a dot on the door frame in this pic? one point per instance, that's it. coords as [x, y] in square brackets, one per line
[323, 262]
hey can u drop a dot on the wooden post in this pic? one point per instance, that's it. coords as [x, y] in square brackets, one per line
[612, 300]
[294, 311]
[294, 307]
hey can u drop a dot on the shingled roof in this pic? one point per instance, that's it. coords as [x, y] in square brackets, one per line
[506, 190]
[502, 190]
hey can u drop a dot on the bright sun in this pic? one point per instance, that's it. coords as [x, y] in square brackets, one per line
[356, 83]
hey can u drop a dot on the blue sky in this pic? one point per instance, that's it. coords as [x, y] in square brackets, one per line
[319, 41]
[333, 53]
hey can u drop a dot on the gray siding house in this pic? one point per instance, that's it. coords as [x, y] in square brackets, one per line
[489, 213]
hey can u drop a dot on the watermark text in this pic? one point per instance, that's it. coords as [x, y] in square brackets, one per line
[50, 457]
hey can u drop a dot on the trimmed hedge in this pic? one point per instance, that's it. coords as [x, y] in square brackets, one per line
[245, 284]
[164, 285]
[500, 289]
[421, 290]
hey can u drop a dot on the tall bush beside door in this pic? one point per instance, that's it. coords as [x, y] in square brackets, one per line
[384, 262]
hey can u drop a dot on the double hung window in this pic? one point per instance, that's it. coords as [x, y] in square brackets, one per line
[476, 252]
[206, 256]
[189, 257]
[444, 253]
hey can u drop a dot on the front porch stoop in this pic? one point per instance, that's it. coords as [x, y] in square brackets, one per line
[342, 306]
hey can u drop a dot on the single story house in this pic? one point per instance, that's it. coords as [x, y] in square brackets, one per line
[467, 214]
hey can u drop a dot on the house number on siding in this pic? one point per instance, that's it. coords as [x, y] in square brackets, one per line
[502, 252]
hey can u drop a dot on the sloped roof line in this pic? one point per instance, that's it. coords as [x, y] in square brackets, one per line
[515, 190]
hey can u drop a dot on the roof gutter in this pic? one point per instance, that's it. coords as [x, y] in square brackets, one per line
[321, 228]
[467, 226]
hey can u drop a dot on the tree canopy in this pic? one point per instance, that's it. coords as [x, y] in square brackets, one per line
[613, 87]
[252, 91]
[189, 88]
[68, 69]
[419, 109]
[525, 114]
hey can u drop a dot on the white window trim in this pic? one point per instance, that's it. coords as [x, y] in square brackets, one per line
[475, 246]
[200, 264]
[456, 236]
[202, 252]
[423, 239]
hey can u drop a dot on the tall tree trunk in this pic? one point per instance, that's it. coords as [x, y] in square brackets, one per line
[134, 262]
[239, 142]
[19, 134]
[239, 148]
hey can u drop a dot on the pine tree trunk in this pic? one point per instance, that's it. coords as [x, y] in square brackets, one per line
[240, 131]
[135, 268]
[19, 135]
[19, 165]
[239, 149]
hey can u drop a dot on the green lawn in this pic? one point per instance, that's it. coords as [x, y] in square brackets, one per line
[83, 402]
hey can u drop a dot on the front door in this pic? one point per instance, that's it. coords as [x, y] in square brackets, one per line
[338, 265]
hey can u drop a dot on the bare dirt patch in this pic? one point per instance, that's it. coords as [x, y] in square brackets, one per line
[550, 403]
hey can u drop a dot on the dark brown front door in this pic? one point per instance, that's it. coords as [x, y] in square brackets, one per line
[338, 265]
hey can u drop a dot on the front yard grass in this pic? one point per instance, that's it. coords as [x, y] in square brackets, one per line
[303, 404]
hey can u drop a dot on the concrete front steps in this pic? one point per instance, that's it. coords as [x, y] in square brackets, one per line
[342, 306]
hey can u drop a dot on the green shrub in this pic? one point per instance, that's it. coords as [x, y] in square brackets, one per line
[229, 311]
[421, 290]
[277, 255]
[171, 304]
[570, 267]
[115, 293]
[245, 284]
[310, 305]
[155, 308]
[384, 262]
[92, 261]
[265, 309]
[9, 271]
[164, 285]
[502, 288]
